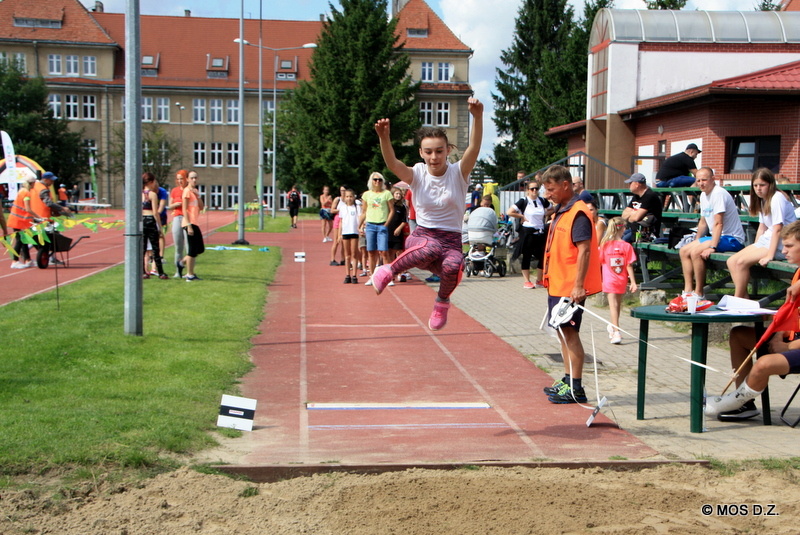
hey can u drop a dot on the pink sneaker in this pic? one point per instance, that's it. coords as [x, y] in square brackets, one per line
[381, 278]
[529, 286]
[438, 317]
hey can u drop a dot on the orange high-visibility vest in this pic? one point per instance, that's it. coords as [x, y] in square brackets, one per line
[19, 218]
[37, 205]
[561, 256]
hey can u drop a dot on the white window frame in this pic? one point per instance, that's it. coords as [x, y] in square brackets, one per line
[89, 107]
[90, 65]
[21, 61]
[147, 109]
[54, 101]
[215, 111]
[426, 71]
[162, 109]
[71, 108]
[163, 150]
[233, 155]
[233, 111]
[199, 154]
[446, 71]
[443, 114]
[54, 63]
[215, 154]
[233, 195]
[216, 196]
[426, 113]
[199, 110]
[72, 65]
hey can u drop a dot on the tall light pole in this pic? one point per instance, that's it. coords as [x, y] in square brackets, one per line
[274, 123]
[240, 239]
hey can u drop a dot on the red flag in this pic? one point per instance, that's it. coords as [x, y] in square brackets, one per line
[786, 319]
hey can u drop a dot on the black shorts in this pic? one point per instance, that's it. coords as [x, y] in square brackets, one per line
[194, 242]
[294, 210]
[793, 357]
[577, 317]
[349, 236]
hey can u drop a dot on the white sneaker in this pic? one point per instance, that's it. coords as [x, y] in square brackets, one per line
[15, 265]
[616, 338]
[391, 283]
[369, 282]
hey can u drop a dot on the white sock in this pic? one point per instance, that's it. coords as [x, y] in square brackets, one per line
[731, 401]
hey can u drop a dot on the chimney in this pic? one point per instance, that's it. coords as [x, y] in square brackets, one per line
[98, 6]
[187, 12]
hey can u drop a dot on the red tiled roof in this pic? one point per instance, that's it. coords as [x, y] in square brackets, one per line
[556, 131]
[77, 25]
[783, 79]
[443, 86]
[419, 16]
[185, 44]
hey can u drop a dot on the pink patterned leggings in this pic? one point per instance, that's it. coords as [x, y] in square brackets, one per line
[438, 251]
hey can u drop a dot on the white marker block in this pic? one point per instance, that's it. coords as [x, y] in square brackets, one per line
[299, 257]
[236, 413]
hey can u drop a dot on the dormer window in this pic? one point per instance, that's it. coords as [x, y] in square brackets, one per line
[287, 69]
[21, 22]
[217, 66]
[148, 60]
[150, 64]
[417, 32]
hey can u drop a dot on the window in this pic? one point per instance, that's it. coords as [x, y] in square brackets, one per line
[215, 109]
[749, 153]
[446, 72]
[286, 64]
[162, 110]
[163, 150]
[268, 158]
[90, 65]
[147, 108]
[202, 189]
[216, 196]
[233, 155]
[417, 32]
[199, 154]
[599, 82]
[54, 101]
[426, 113]
[233, 195]
[71, 64]
[71, 106]
[443, 113]
[662, 147]
[20, 61]
[23, 22]
[147, 154]
[216, 154]
[89, 107]
[427, 71]
[233, 111]
[54, 63]
[199, 110]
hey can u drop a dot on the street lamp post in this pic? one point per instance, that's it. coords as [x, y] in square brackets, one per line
[274, 123]
[240, 239]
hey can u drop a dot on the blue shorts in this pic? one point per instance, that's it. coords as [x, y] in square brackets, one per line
[793, 357]
[377, 237]
[727, 244]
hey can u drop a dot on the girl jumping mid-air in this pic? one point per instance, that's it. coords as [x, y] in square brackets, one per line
[439, 189]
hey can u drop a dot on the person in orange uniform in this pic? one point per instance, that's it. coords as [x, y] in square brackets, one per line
[192, 206]
[571, 269]
[175, 205]
[21, 218]
[63, 197]
[41, 201]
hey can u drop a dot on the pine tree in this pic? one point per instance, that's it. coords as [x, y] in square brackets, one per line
[768, 5]
[665, 4]
[359, 74]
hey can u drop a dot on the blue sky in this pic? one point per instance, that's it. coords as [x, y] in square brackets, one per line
[486, 31]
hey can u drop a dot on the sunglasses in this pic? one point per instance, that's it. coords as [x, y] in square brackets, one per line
[533, 189]
[377, 179]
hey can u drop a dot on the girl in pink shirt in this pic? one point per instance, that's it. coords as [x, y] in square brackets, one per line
[617, 258]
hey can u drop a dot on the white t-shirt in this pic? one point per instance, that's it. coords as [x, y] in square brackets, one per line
[781, 211]
[534, 213]
[721, 202]
[348, 217]
[439, 200]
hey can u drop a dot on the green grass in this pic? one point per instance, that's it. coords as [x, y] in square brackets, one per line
[281, 223]
[76, 391]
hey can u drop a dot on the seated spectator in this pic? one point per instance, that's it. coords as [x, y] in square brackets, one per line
[676, 170]
[720, 219]
[643, 213]
[774, 210]
[599, 222]
[783, 359]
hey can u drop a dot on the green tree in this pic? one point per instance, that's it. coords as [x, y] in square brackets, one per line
[359, 74]
[768, 5]
[159, 152]
[665, 4]
[27, 118]
[542, 85]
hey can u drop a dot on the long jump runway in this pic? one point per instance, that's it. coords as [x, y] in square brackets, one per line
[345, 376]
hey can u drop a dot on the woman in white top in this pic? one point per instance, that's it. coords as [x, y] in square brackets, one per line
[774, 210]
[532, 211]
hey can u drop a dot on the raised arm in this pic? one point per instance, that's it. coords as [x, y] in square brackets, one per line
[475, 137]
[401, 170]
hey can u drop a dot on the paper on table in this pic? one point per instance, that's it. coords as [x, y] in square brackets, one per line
[739, 305]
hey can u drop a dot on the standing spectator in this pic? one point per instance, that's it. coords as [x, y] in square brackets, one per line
[616, 257]
[720, 217]
[63, 198]
[580, 190]
[531, 212]
[475, 196]
[293, 202]
[337, 231]
[378, 204]
[163, 198]
[398, 225]
[20, 219]
[176, 205]
[572, 270]
[677, 170]
[41, 201]
[192, 206]
[349, 212]
[151, 223]
[774, 210]
[644, 211]
[440, 188]
[74, 194]
[325, 203]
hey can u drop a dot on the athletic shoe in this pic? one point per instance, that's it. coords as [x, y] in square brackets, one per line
[179, 264]
[355, 279]
[15, 265]
[745, 412]
[23, 265]
[56, 262]
[568, 395]
[405, 277]
[538, 285]
[153, 272]
[550, 390]
[433, 278]
[616, 338]
[382, 278]
[348, 279]
[146, 276]
[163, 276]
[363, 274]
[369, 282]
[438, 317]
[190, 278]
[341, 263]
[333, 263]
[529, 285]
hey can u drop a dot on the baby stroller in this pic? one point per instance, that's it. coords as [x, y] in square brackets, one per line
[487, 252]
